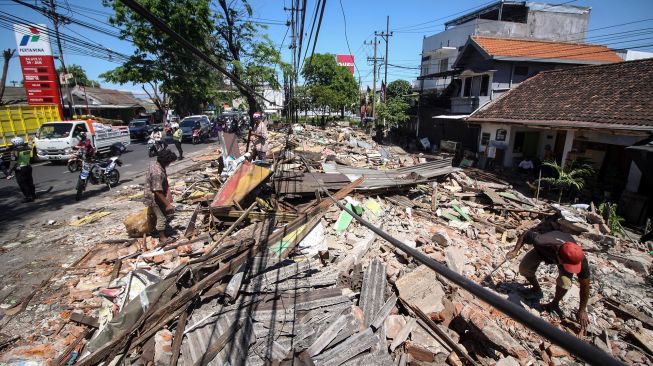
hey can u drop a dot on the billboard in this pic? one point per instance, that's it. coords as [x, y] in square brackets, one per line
[37, 64]
[347, 61]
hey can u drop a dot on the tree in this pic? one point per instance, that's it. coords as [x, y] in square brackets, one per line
[79, 77]
[159, 62]
[570, 178]
[330, 86]
[223, 33]
[399, 89]
[7, 55]
[393, 111]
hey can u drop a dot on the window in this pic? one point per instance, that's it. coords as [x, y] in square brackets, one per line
[444, 64]
[467, 90]
[485, 85]
[485, 138]
[521, 70]
[426, 58]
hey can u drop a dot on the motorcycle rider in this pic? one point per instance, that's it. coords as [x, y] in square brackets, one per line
[157, 193]
[177, 136]
[20, 157]
[85, 146]
[157, 136]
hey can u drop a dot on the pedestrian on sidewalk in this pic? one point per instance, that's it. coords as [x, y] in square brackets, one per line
[20, 157]
[177, 136]
[261, 137]
[157, 193]
[556, 247]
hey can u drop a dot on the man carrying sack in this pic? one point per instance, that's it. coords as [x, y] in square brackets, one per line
[157, 195]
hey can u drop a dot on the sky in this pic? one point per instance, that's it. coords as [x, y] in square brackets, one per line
[410, 20]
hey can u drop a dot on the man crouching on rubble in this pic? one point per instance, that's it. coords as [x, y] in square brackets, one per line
[556, 247]
[157, 192]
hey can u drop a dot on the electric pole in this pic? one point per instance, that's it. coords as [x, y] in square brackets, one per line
[374, 60]
[386, 36]
[55, 23]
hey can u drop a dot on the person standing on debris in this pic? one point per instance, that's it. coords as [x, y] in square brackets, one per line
[157, 193]
[261, 135]
[556, 247]
[176, 138]
[20, 157]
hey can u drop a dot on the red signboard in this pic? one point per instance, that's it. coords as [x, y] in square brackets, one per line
[347, 61]
[37, 63]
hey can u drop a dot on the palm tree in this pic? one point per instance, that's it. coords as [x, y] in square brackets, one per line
[571, 178]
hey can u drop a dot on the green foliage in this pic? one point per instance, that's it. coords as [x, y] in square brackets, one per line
[614, 220]
[79, 76]
[571, 178]
[329, 85]
[224, 32]
[399, 89]
[394, 111]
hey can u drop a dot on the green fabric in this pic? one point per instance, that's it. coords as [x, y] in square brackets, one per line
[23, 158]
[177, 135]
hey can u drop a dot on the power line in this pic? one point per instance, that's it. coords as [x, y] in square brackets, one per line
[317, 31]
[447, 16]
[344, 19]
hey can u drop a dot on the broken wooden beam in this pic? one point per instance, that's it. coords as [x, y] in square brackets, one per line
[85, 320]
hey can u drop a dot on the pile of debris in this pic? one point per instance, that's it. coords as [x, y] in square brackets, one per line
[271, 271]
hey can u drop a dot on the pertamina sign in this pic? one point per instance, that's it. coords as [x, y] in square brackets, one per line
[37, 64]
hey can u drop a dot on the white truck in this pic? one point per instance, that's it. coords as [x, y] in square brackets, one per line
[54, 141]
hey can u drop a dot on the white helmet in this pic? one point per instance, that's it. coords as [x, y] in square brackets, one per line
[17, 141]
[175, 125]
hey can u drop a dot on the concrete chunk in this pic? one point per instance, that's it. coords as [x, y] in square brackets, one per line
[421, 289]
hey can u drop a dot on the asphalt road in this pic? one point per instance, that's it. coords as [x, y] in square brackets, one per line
[57, 176]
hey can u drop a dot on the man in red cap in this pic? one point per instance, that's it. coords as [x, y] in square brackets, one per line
[556, 247]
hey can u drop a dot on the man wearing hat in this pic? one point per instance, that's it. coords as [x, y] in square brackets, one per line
[556, 247]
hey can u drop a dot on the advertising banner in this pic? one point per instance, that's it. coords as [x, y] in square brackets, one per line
[347, 61]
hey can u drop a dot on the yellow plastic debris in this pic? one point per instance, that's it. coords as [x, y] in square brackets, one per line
[90, 218]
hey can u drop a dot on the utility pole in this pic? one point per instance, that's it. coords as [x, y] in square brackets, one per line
[293, 74]
[55, 23]
[374, 60]
[386, 36]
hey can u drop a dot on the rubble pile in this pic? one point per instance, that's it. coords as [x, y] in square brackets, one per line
[268, 270]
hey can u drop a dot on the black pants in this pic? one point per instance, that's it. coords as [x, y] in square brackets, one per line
[25, 182]
[178, 146]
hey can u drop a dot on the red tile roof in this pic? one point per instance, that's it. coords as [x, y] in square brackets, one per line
[615, 96]
[516, 48]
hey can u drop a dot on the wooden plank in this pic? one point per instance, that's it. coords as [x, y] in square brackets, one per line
[83, 319]
[643, 337]
[178, 337]
[278, 216]
[462, 213]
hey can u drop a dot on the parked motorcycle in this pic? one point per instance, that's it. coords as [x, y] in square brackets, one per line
[154, 147]
[103, 172]
[74, 161]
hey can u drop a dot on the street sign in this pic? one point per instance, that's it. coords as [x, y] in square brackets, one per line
[37, 64]
[64, 78]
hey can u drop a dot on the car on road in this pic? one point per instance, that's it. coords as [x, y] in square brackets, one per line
[188, 123]
[139, 129]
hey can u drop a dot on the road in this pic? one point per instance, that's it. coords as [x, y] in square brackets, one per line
[57, 176]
